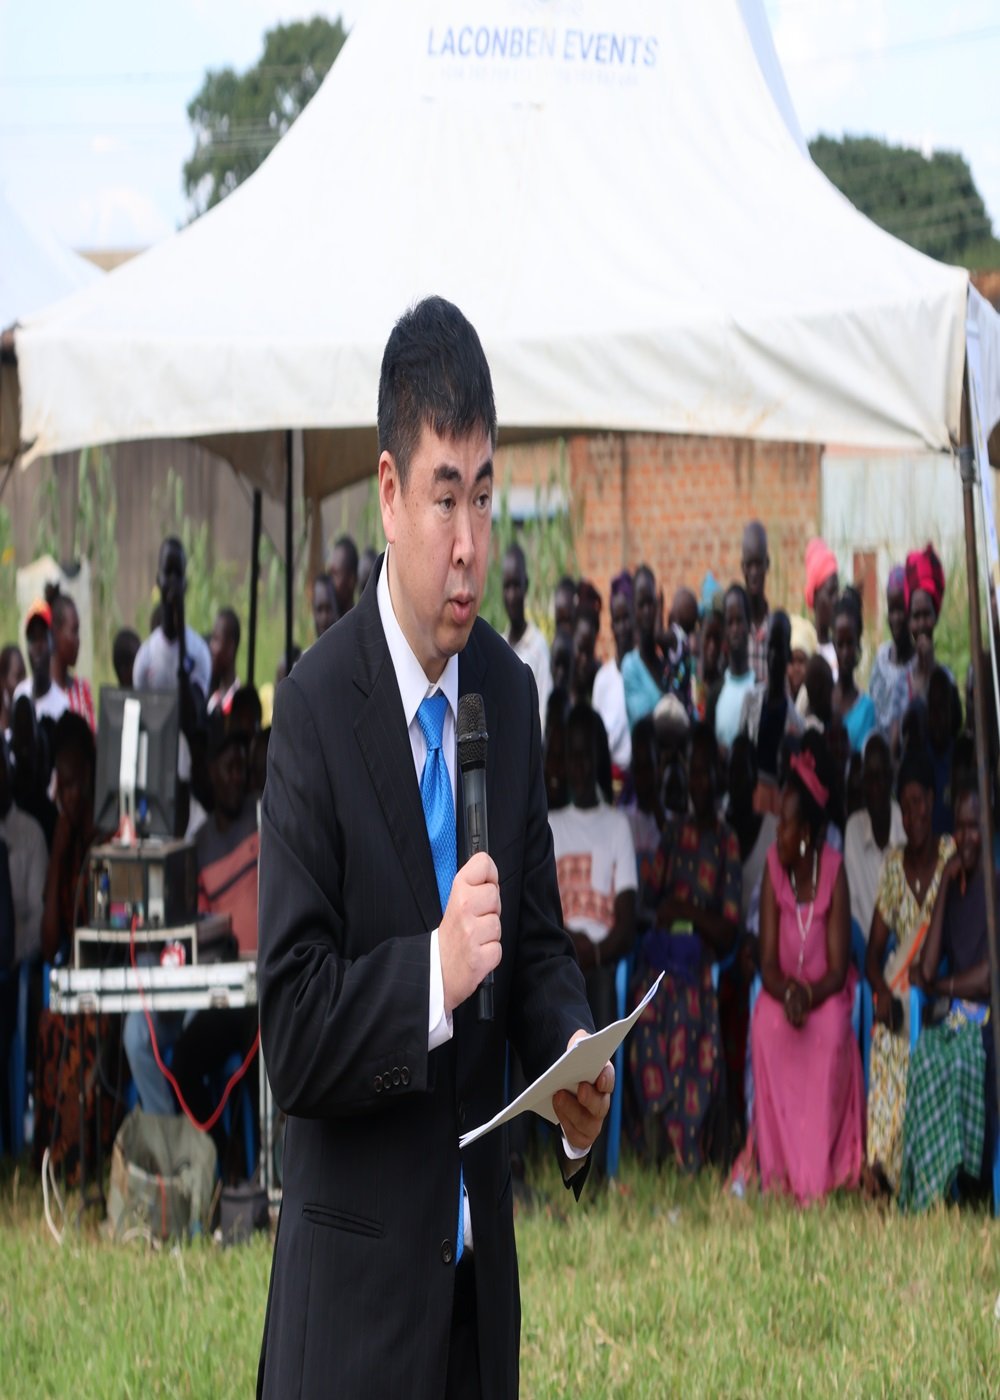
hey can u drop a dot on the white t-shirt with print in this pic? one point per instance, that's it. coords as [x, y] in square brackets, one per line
[595, 861]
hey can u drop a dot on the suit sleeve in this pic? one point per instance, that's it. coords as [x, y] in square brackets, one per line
[329, 1025]
[548, 997]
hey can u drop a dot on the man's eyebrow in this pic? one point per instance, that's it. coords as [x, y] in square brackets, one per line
[447, 472]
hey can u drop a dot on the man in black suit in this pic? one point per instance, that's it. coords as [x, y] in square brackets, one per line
[394, 1269]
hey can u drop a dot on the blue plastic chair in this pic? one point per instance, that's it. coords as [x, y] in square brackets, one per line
[918, 1001]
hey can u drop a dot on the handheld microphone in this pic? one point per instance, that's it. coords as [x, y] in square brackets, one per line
[472, 739]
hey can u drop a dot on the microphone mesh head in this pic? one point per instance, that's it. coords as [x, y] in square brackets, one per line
[471, 731]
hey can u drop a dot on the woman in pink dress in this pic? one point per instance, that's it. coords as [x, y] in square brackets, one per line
[809, 1088]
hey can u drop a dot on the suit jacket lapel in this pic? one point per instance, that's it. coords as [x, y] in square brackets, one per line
[385, 747]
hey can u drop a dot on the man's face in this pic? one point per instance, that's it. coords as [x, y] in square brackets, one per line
[344, 579]
[584, 642]
[645, 605]
[172, 583]
[622, 624]
[228, 774]
[755, 562]
[737, 635]
[324, 609]
[581, 766]
[877, 781]
[39, 648]
[515, 585]
[220, 644]
[73, 785]
[565, 606]
[439, 528]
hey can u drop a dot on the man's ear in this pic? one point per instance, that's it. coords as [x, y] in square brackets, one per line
[389, 492]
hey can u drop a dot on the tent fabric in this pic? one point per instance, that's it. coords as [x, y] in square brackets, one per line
[35, 269]
[616, 194]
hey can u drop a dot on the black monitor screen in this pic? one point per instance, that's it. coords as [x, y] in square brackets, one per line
[156, 803]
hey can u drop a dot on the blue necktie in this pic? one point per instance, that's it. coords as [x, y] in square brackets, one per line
[439, 814]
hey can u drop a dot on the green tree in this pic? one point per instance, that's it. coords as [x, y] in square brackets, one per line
[931, 202]
[239, 118]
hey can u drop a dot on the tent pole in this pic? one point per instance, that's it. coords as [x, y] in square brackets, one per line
[967, 463]
[254, 581]
[289, 553]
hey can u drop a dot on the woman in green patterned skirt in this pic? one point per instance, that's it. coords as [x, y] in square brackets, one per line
[908, 887]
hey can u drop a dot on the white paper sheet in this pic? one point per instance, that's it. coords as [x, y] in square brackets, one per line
[581, 1064]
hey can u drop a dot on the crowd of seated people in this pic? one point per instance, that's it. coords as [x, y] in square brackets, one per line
[791, 834]
[729, 806]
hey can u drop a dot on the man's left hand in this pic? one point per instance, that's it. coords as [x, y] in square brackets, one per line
[582, 1114]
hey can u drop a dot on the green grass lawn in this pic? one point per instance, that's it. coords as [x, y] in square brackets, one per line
[662, 1287]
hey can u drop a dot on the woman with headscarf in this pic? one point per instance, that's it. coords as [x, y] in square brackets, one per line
[924, 592]
[809, 1089]
[908, 886]
[888, 686]
[608, 696]
[822, 591]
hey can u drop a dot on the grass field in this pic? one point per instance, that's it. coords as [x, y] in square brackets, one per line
[663, 1287]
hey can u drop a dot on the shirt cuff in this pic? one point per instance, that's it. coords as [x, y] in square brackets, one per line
[439, 1023]
[574, 1154]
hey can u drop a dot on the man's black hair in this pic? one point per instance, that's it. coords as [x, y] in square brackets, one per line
[737, 590]
[59, 602]
[172, 542]
[326, 581]
[434, 372]
[73, 735]
[124, 648]
[849, 605]
[228, 616]
[351, 550]
[514, 551]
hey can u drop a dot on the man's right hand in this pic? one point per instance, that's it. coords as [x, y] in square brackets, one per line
[469, 934]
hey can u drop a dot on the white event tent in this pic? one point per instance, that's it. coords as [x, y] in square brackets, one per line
[618, 196]
[35, 269]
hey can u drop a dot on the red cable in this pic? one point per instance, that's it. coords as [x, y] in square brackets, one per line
[209, 1123]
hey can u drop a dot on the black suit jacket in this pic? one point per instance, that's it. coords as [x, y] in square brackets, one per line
[363, 1274]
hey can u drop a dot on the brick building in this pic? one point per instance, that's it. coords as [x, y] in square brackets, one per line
[679, 504]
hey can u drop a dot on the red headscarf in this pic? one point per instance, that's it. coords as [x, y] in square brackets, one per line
[821, 564]
[924, 570]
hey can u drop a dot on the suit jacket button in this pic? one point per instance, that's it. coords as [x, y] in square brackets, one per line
[404, 1074]
[461, 1115]
[447, 1251]
[378, 1084]
[396, 1075]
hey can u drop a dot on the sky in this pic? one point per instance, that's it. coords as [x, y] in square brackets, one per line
[93, 96]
